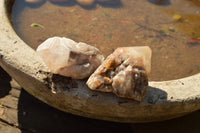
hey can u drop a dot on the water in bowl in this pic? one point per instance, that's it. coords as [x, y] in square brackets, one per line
[171, 29]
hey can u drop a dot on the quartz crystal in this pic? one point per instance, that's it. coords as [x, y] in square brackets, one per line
[67, 58]
[125, 73]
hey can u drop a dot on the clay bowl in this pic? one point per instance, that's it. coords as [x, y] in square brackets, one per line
[164, 100]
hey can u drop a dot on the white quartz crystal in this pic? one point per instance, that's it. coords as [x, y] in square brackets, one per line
[67, 58]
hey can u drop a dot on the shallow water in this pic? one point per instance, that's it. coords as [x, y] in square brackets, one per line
[175, 42]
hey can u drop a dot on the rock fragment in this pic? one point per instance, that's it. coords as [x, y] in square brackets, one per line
[67, 58]
[125, 73]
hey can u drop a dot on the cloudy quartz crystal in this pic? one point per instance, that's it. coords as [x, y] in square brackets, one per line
[67, 58]
[125, 73]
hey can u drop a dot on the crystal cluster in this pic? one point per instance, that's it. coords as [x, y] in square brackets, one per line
[125, 73]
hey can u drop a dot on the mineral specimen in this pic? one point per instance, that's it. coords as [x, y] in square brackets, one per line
[67, 58]
[125, 73]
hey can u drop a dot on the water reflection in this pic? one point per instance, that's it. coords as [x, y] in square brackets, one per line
[87, 4]
[161, 2]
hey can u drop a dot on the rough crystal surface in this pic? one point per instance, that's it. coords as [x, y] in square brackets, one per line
[125, 73]
[67, 58]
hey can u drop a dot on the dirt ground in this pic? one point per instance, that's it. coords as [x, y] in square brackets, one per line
[22, 113]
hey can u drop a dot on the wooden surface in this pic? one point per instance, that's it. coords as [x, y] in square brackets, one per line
[22, 113]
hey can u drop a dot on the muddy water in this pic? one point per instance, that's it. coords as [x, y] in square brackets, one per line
[172, 30]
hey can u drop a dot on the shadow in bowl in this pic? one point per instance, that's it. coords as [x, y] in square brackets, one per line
[155, 95]
[61, 84]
